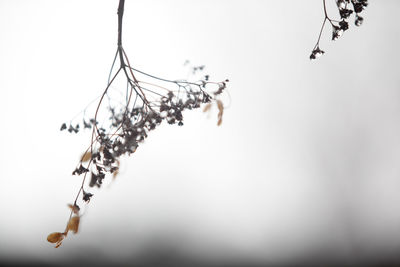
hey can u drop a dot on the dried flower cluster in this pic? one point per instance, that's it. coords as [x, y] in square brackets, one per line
[346, 8]
[147, 102]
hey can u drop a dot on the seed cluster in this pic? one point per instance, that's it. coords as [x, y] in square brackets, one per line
[127, 129]
[346, 8]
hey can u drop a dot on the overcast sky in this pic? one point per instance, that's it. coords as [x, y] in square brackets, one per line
[305, 163]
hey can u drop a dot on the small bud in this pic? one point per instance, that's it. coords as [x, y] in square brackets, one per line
[344, 25]
[87, 196]
[316, 53]
[359, 20]
[341, 4]
[358, 7]
[345, 13]
[336, 32]
[63, 127]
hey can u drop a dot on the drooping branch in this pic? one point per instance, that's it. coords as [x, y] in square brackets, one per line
[128, 122]
[345, 8]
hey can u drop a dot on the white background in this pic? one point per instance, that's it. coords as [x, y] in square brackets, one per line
[306, 161]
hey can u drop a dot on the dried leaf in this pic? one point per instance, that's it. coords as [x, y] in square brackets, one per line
[220, 105]
[73, 224]
[86, 156]
[207, 107]
[221, 111]
[55, 237]
[75, 208]
[115, 173]
[115, 170]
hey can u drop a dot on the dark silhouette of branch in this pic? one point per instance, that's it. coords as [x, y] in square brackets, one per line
[120, 15]
[129, 121]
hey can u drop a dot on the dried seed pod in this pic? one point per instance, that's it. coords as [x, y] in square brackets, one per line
[55, 237]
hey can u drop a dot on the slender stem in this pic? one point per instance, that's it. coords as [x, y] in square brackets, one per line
[120, 15]
[134, 79]
[323, 24]
[101, 99]
[320, 33]
[164, 80]
[112, 67]
[326, 13]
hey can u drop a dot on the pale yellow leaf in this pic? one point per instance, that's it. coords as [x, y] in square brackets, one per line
[207, 107]
[86, 156]
[221, 111]
[220, 106]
